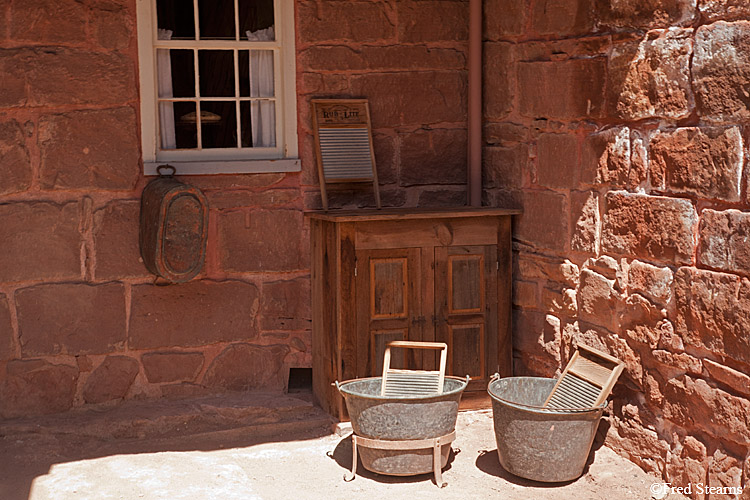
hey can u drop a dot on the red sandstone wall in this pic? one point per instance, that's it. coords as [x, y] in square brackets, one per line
[622, 130]
[80, 318]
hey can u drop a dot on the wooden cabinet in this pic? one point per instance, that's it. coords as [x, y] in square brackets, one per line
[425, 275]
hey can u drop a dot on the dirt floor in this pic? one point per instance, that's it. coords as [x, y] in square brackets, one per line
[300, 459]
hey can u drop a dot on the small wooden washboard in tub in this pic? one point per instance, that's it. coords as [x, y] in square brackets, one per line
[586, 381]
[408, 383]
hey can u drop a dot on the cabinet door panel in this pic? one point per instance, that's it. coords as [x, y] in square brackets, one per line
[389, 304]
[466, 309]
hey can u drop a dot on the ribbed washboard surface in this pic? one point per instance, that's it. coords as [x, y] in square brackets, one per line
[400, 383]
[586, 381]
[574, 392]
[412, 383]
[346, 153]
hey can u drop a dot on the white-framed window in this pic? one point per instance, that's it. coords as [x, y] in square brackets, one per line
[218, 85]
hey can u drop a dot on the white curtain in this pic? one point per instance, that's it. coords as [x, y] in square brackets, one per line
[262, 112]
[166, 109]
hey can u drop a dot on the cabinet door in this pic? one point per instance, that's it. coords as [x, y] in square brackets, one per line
[466, 310]
[388, 307]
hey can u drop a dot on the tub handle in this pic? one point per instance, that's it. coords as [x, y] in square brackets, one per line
[496, 376]
[336, 383]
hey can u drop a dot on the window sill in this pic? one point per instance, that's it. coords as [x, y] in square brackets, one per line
[227, 167]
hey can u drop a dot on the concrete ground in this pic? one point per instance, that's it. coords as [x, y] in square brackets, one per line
[243, 449]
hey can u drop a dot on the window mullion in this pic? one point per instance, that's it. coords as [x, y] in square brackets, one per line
[197, 100]
[237, 93]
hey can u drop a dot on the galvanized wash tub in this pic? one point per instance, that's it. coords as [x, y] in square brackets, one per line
[537, 443]
[401, 418]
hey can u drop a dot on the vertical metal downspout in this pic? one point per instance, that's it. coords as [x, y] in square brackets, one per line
[475, 105]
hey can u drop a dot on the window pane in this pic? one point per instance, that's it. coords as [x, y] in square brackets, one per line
[244, 68]
[180, 117]
[216, 19]
[256, 17]
[261, 73]
[261, 116]
[177, 17]
[219, 124]
[176, 73]
[216, 73]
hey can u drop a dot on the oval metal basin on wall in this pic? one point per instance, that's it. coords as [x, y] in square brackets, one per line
[173, 229]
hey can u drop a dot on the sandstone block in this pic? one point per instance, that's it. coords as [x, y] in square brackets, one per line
[650, 227]
[432, 21]
[49, 21]
[713, 312]
[89, 149]
[40, 241]
[286, 305]
[525, 294]
[571, 89]
[243, 367]
[504, 167]
[36, 387]
[192, 314]
[653, 282]
[110, 380]
[260, 240]
[585, 221]
[560, 302]
[504, 18]
[676, 364]
[6, 330]
[113, 25]
[557, 160]
[71, 318]
[416, 98]
[606, 158]
[562, 17]
[724, 474]
[15, 175]
[55, 76]
[643, 322]
[442, 197]
[344, 58]
[652, 78]
[715, 10]
[116, 228]
[498, 88]
[505, 134]
[643, 14]
[597, 300]
[322, 84]
[355, 21]
[690, 465]
[163, 367]
[730, 377]
[385, 147]
[721, 71]
[437, 156]
[269, 198]
[544, 221]
[14, 78]
[638, 162]
[705, 162]
[536, 267]
[723, 240]
[541, 335]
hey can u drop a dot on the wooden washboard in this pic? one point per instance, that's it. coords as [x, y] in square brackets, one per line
[343, 143]
[586, 381]
[410, 383]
